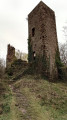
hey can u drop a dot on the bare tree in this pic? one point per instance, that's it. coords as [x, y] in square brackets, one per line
[65, 32]
[2, 67]
[63, 53]
[20, 55]
[63, 47]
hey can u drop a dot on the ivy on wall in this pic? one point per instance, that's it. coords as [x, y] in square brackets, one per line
[40, 63]
[59, 64]
[45, 65]
[58, 60]
[30, 52]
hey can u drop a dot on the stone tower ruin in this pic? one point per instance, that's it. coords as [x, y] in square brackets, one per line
[10, 55]
[43, 37]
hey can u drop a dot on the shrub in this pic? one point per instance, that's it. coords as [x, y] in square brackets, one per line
[9, 71]
[6, 108]
[59, 65]
[17, 62]
[2, 68]
[30, 52]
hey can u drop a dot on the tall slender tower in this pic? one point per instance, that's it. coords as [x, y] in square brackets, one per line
[43, 36]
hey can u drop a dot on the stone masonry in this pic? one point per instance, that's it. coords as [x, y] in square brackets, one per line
[42, 31]
[10, 55]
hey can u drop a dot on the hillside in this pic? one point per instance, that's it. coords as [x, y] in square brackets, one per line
[34, 98]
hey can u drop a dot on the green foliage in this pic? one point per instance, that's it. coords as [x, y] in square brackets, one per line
[7, 101]
[2, 68]
[59, 65]
[30, 52]
[45, 66]
[9, 71]
[6, 108]
[64, 73]
[15, 67]
[58, 60]
[38, 66]
[17, 62]
[39, 62]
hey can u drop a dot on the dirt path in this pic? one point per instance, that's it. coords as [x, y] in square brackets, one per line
[21, 103]
[13, 102]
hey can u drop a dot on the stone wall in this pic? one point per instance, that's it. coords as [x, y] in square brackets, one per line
[42, 31]
[10, 55]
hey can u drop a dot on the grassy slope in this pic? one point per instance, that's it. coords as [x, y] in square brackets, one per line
[38, 99]
[33, 98]
[8, 111]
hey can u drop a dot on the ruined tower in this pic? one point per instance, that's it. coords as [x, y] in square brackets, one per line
[10, 55]
[43, 36]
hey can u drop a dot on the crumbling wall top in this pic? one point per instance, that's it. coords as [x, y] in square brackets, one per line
[10, 55]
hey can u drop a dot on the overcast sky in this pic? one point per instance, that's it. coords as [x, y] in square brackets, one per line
[14, 26]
